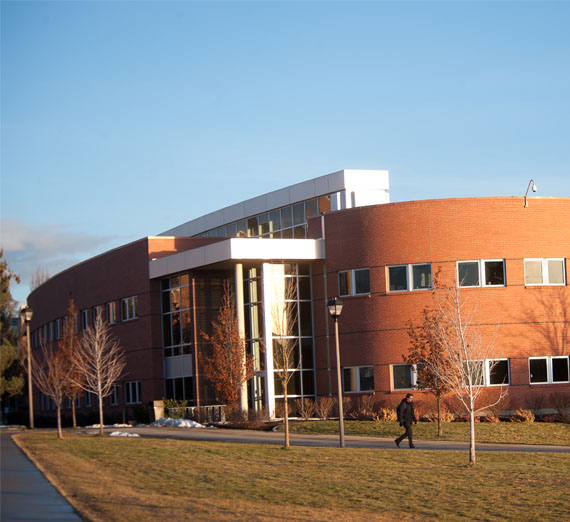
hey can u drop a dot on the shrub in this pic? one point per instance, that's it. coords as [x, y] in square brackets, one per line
[563, 416]
[561, 401]
[446, 416]
[175, 409]
[523, 416]
[324, 406]
[364, 408]
[386, 414]
[490, 418]
[306, 407]
[347, 406]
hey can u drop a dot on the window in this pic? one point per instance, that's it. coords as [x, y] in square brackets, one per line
[129, 308]
[476, 369]
[402, 278]
[544, 272]
[133, 392]
[111, 312]
[114, 397]
[548, 370]
[57, 328]
[87, 397]
[354, 282]
[403, 376]
[498, 372]
[490, 272]
[84, 319]
[358, 379]
[97, 313]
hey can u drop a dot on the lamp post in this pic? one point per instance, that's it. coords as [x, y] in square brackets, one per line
[335, 309]
[26, 312]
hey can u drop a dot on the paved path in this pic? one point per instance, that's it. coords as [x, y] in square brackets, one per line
[297, 439]
[26, 494]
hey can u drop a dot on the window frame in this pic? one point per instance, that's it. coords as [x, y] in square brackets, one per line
[129, 308]
[549, 369]
[351, 282]
[114, 395]
[84, 315]
[488, 372]
[545, 270]
[413, 376]
[132, 391]
[410, 282]
[111, 312]
[357, 379]
[481, 272]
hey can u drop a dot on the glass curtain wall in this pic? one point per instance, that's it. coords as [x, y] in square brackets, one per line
[177, 337]
[287, 222]
[288, 297]
[254, 333]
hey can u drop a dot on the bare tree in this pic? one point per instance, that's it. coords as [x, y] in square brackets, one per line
[69, 347]
[425, 346]
[100, 361]
[51, 376]
[465, 351]
[228, 366]
[40, 276]
[285, 337]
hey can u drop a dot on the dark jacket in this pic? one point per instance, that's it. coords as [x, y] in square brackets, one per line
[406, 414]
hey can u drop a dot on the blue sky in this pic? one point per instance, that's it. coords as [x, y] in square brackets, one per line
[124, 119]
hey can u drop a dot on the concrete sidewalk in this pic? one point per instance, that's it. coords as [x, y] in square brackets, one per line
[26, 494]
[306, 439]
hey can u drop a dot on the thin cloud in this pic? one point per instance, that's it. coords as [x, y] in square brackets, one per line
[51, 249]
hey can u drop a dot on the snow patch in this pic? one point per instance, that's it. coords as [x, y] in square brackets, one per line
[177, 423]
[110, 426]
[123, 434]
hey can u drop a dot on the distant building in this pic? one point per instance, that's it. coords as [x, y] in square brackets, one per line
[336, 235]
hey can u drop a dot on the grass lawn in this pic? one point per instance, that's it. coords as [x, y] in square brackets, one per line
[115, 478]
[499, 432]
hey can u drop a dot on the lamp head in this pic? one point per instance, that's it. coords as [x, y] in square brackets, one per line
[533, 186]
[27, 313]
[335, 307]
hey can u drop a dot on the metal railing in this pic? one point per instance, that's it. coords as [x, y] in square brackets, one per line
[201, 414]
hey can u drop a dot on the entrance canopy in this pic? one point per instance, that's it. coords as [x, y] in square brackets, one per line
[236, 250]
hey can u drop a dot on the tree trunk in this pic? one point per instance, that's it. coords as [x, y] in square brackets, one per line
[73, 417]
[471, 433]
[439, 430]
[286, 408]
[100, 413]
[59, 432]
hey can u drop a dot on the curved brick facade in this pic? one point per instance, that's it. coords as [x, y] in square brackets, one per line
[528, 321]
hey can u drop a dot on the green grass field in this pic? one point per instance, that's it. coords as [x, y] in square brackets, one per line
[500, 432]
[109, 478]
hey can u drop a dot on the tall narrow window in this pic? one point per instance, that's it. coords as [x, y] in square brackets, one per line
[129, 308]
[111, 309]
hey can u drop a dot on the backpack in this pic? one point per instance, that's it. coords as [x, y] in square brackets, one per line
[400, 412]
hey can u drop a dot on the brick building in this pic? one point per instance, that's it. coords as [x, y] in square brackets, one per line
[336, 235]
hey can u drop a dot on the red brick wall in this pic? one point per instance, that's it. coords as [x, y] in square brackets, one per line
[526, 320]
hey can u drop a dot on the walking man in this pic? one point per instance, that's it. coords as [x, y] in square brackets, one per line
[406, 416]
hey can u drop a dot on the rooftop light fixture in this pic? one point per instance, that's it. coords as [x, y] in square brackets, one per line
[531, 182]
